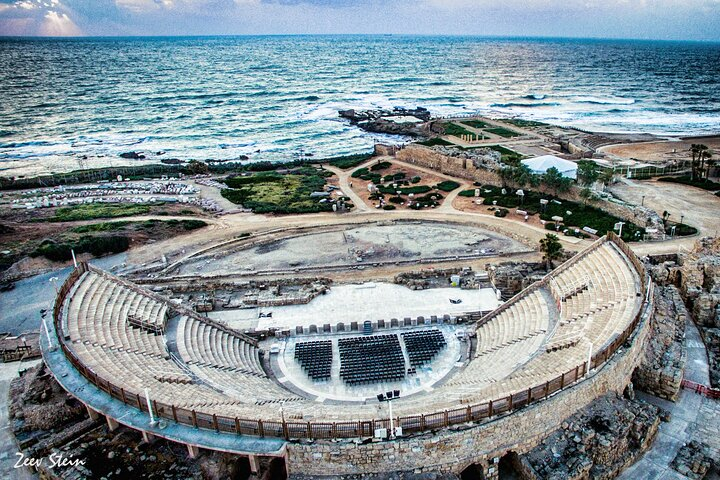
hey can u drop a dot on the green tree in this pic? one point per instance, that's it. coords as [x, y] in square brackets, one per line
[606, 177]
[552, 178]
[195, 167]
[586, 194]
[506, 175]
[551, 249]
[588, 172]
[522, 175]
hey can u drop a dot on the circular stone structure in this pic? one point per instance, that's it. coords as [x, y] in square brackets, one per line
[500, 383]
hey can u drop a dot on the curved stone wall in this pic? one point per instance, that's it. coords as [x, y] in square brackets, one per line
[452, 450]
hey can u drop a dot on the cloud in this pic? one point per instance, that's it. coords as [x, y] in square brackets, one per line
[37, 17]
[661, 19]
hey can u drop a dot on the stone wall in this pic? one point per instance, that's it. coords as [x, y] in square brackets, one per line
[661, 371]
[598, 442]
[452, 450]
[457, 167]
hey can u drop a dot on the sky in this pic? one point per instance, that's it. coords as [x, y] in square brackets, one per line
[642, 19]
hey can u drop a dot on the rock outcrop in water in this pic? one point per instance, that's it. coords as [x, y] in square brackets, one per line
[132, 155]
[392, 122]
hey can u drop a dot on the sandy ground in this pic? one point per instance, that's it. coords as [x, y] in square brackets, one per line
[360, 302]
[694, 206]
[659, 152]
[358, 245]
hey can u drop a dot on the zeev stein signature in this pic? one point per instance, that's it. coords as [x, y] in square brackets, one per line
[53, 460]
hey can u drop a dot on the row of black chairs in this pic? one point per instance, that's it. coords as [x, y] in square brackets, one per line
[422, 346]
[365, 360]
[315, 358]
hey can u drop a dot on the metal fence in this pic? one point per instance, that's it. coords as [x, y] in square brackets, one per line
[364, 428]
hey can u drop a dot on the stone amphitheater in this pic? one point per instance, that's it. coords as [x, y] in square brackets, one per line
[514, 376]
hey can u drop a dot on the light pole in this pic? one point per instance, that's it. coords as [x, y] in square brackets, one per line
[682, 217]
[642, 204]
[389, 397]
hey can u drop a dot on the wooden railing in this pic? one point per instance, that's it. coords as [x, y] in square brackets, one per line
[700, 389]
[350, 429]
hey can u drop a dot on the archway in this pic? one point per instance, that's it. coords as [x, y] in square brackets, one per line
[510, 467]
[474, 471]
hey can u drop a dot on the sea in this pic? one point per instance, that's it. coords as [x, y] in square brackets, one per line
[73, 103]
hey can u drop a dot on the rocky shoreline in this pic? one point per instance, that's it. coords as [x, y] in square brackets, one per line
[397, 121]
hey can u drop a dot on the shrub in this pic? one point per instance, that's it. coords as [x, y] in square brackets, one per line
[349, 161]
[397, 200]
[192, 224]
[415, 180]
[389, 207]
[703, 183]
[550, 226]
[380, 166]
[98, 246]
[501, 212]
[447, 186]
[467, 193]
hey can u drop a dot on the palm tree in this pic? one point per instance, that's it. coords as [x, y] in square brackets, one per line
[703, 151]
[552, 249]
[710, 163]
[695, 151]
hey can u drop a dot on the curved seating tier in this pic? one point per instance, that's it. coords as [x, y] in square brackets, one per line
[542, 333]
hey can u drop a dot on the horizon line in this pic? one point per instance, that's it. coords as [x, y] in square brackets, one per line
[428, 35]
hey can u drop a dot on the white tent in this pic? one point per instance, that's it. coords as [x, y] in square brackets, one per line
[542, 164]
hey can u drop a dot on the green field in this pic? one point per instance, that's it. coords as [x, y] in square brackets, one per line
[523, 123]
[475, 123]
[503, 132]
[455, 130]
[271, 192]
[92, 211]
[581, 216]
[435, 142]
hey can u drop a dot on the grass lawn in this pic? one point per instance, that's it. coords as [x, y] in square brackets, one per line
[523, 123]
[435, 142]
[274, 193]
[503, 132]
[455, 130]
[91, 211]
[508, 157]
[475, 123]
[581, 215]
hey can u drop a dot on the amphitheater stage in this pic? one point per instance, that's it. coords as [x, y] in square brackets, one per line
[361, 302]
[335, 390]
[103, 403]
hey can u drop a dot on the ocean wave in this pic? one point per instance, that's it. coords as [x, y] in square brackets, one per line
[525, 104]
[605, 101]
[534, 96]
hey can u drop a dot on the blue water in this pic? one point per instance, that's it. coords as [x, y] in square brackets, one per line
[274, 98]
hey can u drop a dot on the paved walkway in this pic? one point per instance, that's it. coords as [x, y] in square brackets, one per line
[655, 463]
[8, 446]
